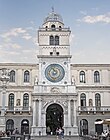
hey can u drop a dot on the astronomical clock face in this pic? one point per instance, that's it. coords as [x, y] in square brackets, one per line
[54, 72]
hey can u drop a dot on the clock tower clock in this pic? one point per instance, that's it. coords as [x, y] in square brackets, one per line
[54, 88]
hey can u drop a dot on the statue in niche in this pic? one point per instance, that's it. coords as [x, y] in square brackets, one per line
[36, 80]
[73, 80]
[18, 102]
[90, 102]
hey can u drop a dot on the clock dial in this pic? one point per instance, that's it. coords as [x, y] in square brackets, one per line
[54, 72]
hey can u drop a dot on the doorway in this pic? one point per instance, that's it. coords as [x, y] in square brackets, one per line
[25, 126]
[54, 118]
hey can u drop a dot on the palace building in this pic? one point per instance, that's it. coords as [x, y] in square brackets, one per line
[54, 93]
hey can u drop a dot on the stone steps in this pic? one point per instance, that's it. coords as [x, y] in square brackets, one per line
[55, 138]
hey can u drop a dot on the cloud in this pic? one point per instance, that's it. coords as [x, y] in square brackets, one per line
[27, 37]
[95, 19]
[13, 32]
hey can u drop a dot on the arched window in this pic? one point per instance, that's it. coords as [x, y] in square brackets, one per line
[51, 40]
[97, 100]
[60, 28]
[83, 127]
[56, 40]
[53, 27]
[83, 100]
[46, 28]
[98, 127]
[24, 126]
[26, 76]
[25, 101]
[96, 77]
[12, 76]
[82, 77]
[10, 125]
[11, 101]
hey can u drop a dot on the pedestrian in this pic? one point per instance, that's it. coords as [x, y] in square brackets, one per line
[16, 131]
[57, 132]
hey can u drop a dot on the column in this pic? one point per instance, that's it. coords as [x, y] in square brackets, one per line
[34, 112]
[74, 113]
[3, 102]
[44, 119]
[69, 113]
[39, 112]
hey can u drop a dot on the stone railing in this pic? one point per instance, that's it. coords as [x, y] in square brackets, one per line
[16, 109]
[94, 109]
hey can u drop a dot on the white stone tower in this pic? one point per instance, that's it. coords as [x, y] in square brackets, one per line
[54, 97]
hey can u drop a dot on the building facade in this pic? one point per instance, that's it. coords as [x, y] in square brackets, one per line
[55, 93]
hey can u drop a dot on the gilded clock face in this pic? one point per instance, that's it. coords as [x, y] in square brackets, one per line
[54, 72]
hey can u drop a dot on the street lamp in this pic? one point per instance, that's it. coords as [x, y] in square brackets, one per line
[4, 78]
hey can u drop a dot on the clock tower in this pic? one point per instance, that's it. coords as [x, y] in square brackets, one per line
[54, 96]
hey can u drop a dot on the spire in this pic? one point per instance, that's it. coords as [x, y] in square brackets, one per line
[52, 9]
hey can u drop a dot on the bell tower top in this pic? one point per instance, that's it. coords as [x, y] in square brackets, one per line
[53, 17]
[53, 37]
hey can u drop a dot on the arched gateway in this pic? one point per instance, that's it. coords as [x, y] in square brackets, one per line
[54, 118]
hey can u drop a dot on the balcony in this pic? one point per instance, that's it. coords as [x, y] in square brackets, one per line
[17, 109]
[94, 109]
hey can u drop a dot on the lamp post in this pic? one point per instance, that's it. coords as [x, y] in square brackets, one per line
[4, 78]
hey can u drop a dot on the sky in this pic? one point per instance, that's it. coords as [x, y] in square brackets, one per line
[89, 21]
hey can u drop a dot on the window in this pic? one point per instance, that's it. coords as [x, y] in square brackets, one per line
[60, 28]
[56, 40]
[97, 100]
[96, 77]
[24, 126]
[11, 101]
[51, 53]
[82, 77]
[51, 40]
[83, 100]
[53, 27]
[46, 28]
[57, 53]
[10, 125]
[84, 127]
[26, 76]
[12, 76]
[25, 101]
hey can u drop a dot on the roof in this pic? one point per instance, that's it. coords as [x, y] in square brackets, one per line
[52, 16]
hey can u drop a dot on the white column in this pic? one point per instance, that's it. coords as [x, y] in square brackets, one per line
[3, 102]
[44, 120]
[40, 107]
[74, 113]
[34, 112]
[65, 119]
[69, 113]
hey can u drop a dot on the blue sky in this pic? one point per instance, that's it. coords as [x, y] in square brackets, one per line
[89, 21]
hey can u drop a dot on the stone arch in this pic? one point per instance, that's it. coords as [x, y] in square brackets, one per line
[98, 127]
[54, 117]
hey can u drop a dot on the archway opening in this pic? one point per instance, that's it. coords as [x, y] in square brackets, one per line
[54, 118]
[83, 127]
[9, 125]
[25, 127]
[98, 127]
